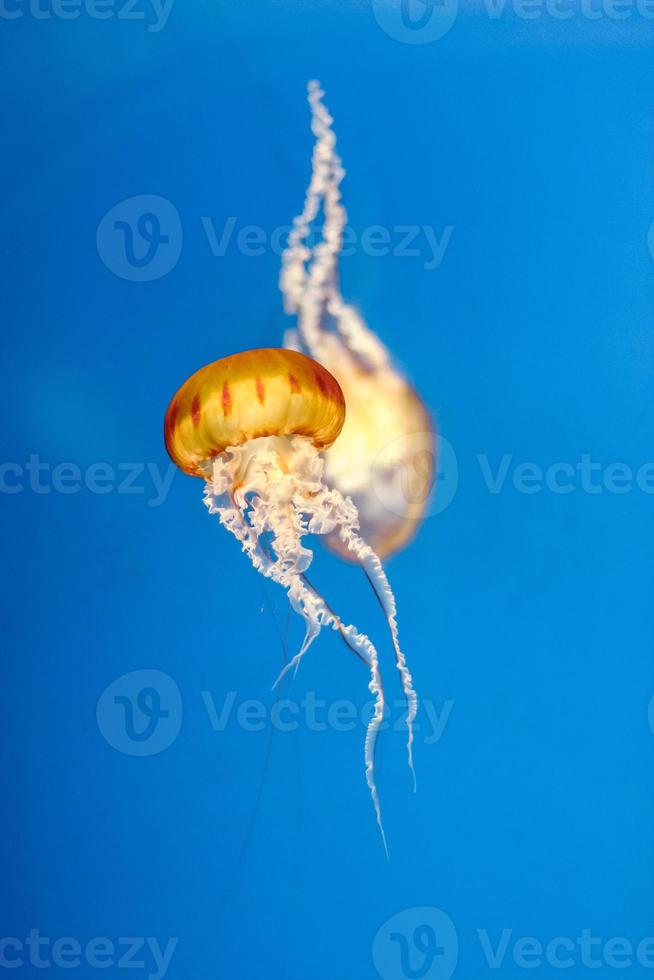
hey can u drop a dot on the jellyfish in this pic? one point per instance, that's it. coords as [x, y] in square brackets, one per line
[254, 426]
[384, 457]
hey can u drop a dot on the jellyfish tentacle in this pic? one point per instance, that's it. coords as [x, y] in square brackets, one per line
[281, 493]
[236, 520]
[339, 624]
[338, 514]
[309, 276]
[374, 571]
[347, 529]
[333, 331]
[359, 653]
[307, 273]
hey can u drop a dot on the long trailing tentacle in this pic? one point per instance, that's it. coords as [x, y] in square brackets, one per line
[378, 579]
[358, 653]
[273, 503]
[309, 276]
[309, 283]
[344, 521]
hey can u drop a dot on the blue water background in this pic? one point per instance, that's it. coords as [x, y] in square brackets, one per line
[529, 614]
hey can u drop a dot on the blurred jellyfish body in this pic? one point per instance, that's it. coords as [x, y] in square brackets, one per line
[254, 426]
[384, 457]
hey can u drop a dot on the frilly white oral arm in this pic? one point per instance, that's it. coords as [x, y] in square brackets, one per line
[286, 502]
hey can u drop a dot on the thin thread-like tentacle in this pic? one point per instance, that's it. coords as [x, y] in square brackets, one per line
[378, 579]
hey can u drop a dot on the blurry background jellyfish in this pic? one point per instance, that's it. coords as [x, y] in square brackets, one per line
[384, 458]
[253, 426]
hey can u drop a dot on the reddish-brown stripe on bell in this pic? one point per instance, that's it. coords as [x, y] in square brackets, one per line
[196, 407]
[226, 399]
[294, 384]
[320, 381]
[261, 391]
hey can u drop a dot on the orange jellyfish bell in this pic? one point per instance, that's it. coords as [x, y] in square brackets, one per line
[253, 425]
[257, 393]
